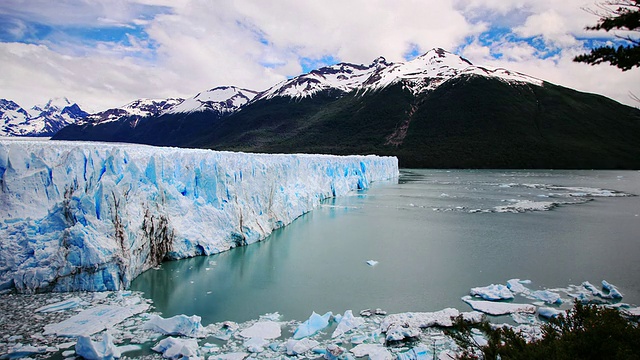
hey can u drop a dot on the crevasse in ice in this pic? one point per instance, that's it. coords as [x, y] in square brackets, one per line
[93, 216]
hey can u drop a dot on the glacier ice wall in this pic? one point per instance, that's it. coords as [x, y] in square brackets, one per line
[93, 216]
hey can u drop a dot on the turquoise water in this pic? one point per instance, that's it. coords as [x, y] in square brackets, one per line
[432, 241]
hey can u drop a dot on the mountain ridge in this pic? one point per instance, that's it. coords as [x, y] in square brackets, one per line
[39, 120]
[437, 110]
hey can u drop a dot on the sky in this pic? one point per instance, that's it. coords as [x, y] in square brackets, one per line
[106, 53]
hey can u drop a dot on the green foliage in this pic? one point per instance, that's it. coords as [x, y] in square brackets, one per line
[625, 17]
[586, 332]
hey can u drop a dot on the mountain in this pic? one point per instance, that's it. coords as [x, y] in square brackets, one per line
[44, 120]
[224, 99]
[164, 125]
[437, 110]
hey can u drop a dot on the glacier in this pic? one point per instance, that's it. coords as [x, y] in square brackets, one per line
[93, 216]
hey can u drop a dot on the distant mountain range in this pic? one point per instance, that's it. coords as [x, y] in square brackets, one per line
[43, 120]
[437, 110]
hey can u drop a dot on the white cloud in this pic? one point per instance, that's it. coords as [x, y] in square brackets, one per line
[194, 45]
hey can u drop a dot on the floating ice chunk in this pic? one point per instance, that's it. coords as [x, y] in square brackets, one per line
[499, 308]
[255, 345]
[177, 348]
[527, 205]
[97, 350]
[93, 320]
[229, 356]
[375, 351]
[613, 292]
[547, 312]
[334, 352]
[594, 291]
[417, 353]
[372, 262]
[407, 325]
[177, 325]
[311, 326]
[492, 292]
[515, 285]
[24, 351]
[63, 305]
[299, 347]
[547, 296]
[347, 323]
[262, 330]
[633, 311]
[400, 333]
[519, 318]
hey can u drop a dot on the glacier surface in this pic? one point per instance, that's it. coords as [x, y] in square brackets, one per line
[93, 216]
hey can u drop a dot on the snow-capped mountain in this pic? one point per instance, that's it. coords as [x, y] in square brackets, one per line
[40, 120]
[140, 108]
[424, 73]
[223, 99]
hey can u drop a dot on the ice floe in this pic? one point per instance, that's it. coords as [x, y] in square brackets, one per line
[374, 351]
[299, 347]
[312, 325]
[547, 312]
[97, 350]
[611, 292]
[347, 323]
[517, 286]
[492, 292]
[178, 348]
[62, 305]
[262, 330]
[498, 308]
[95, 319]
[184, 325]
[547, 296]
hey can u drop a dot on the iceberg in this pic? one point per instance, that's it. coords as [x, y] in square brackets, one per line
[516, 286]
[492, 292]
[499, 308]
[312, 325]
[101, 350]
[184, 325]
[347, 323]
[94, 320]
[93, 216]
[548, 313]
[398, 327]
[299, 347]
[613, 292]
[262, 330]
[375, 351]
[62, 305]
[177, 348]
[547, 296]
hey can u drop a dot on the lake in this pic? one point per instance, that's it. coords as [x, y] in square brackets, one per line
[434, 233]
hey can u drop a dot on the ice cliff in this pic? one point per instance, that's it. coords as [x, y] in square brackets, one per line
[92, 216]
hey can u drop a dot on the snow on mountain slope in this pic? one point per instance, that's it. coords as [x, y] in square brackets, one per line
[424, 73]
[93, 216]
[140, 108]
[44, 120]
[223, 99]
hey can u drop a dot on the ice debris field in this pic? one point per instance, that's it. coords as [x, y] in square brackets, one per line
[93, 216]
[108, 325]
